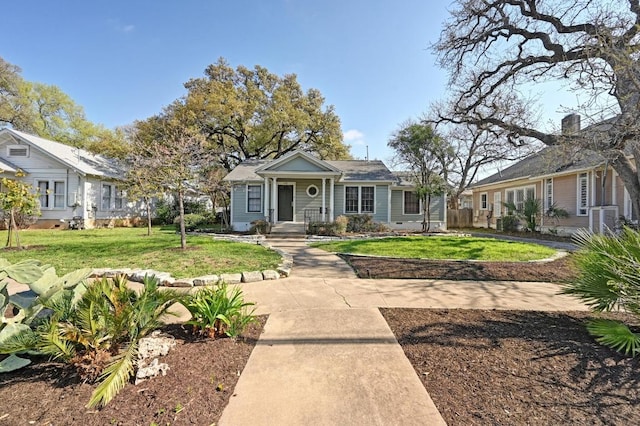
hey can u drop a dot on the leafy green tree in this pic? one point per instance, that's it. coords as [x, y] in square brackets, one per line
[608, 279]
[421, 151]
[18, 201]
[252, 113]
[493, 49]
[46, 111]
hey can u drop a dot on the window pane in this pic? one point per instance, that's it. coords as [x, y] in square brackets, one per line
[58, 194]
[367, 199]
[106, 197]
[254, 198]
[43, 189]
[583, 200]
[351, 199]
[119, 196]
[549, 194]
[411, 203]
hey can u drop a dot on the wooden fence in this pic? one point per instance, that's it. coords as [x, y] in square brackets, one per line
[462, 218]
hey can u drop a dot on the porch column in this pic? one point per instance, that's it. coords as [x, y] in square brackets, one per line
[274, 198]
[324, 197]
[266, 199]
[331, 197]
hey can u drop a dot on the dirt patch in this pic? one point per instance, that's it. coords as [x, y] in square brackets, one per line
[202, 376]
[560, 270]
[517, 367]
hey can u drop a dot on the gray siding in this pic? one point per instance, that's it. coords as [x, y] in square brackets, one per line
[382, 204]
[339, 196]
[304, 202]
[240, 214]
[299, 165]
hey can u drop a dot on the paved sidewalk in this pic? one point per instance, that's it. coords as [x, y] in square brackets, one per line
[328, 357]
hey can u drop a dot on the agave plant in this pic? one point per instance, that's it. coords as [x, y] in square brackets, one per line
[218, 311]
[609, 278]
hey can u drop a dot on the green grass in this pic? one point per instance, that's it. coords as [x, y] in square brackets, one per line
[451, 248]
[132, 248]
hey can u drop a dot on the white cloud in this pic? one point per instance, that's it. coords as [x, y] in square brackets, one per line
[354, 137]
[117, 26]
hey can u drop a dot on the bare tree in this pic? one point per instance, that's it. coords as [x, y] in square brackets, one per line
[171, 154]
[494, 47]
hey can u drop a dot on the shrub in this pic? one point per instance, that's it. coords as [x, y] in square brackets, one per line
[218, 311]
[608, 278]
[341, 223]
[260, 227]
[510, 223]
[191, 221]
[98, 331]
[363, 223]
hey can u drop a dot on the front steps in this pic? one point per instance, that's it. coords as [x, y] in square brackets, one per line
[287, 229]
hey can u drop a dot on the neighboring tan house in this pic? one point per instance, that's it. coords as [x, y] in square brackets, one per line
[578, 181]
[298, 188]
[71, 182]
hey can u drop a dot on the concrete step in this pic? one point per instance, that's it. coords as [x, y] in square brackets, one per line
[288, 228]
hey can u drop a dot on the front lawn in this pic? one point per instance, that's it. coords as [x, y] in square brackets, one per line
[445, 247]
[132, 248]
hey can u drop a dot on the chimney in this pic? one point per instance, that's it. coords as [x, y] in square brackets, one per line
[570, 124]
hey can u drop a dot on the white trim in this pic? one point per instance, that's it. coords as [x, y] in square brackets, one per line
[515, 191]
[360, 199]
[332, 184]
[324, 199]
[317, 191]
[614, 188]
[497, 204]
[265, 198]
[404, 211]
[18, 148]
[259, 185]
[484, 205]
[579, 178]
[293, 206]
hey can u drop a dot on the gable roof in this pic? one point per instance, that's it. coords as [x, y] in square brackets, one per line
[350, 170]
[290, 156]
[550, 160]
[80, 160]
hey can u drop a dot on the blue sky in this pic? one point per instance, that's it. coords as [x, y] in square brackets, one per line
[124, 60]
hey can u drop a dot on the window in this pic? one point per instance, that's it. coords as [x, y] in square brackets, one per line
[312, 191]
[43, 190]
[254, 198]
[367, 199]
[106, 197]
[483, 201]
[351, 199]
[120, 195]
[411, 203]
[359, 199]
[583, 195]
[18, 151]
[58, 195]
[497, 204]
[548, 194]
[518, 196]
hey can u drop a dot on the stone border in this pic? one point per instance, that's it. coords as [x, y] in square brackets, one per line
[166, 280]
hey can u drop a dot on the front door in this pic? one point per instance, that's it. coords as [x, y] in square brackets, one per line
[285, 203]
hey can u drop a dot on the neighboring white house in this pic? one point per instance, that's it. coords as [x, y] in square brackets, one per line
[299, 187]
[71, 182]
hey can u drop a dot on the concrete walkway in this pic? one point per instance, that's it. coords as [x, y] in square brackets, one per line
[328, 357]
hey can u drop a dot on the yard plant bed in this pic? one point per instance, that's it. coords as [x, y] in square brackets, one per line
[202, 376]
[559, 270]
[517, 367]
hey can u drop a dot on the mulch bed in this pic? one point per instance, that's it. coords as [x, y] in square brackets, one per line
[559, 270]
[202, 376]
[517, 368]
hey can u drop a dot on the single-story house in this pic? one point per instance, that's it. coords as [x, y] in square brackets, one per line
[579, 181]
[72, 182]
[298, 188]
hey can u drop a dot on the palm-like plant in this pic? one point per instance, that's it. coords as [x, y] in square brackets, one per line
[100, 333]
[218, 311]
[609, 278]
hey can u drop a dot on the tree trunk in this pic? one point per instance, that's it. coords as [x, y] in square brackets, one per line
[630, 179]
[147, 201]
[10, 229]
[428, 211]
[15, 232]
[183, 233]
